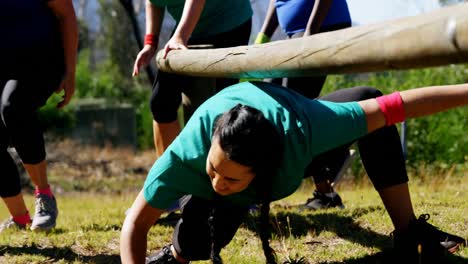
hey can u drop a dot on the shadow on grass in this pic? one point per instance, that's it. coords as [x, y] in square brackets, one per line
[297, 224]
[58, 254]
[385, 257]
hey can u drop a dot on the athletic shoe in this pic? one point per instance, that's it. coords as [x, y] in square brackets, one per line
[322, 201]
[425, 243]
[164, 256]
[46, 213]
[10, 224]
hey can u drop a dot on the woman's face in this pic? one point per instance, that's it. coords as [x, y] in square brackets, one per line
[227, 176]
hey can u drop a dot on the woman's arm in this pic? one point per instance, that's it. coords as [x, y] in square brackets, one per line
[133, 237]
[154, 18]
[419, 102]
[63, 10]
[317, 16]
[270, 23]
[188, 21]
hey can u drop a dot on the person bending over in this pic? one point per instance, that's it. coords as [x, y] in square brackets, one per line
[249, 144]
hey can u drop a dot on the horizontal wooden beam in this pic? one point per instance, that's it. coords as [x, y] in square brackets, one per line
[435, 38]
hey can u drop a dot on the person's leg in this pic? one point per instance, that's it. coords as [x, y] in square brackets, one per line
[21, 100]
[203, 223]
[164, 134]
[382, 156]
[10, 189]
[334, 162]
[205, 226]
[167, 92]
[164, 103]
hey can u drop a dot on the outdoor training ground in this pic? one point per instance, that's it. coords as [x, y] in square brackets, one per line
[95, 186]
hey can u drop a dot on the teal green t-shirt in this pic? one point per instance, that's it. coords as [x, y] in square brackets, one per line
[218, 16]
[309, 127]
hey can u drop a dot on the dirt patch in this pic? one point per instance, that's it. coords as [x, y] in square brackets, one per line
[77, 167]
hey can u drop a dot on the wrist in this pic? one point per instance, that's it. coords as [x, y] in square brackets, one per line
[262, 38]
[151, 39]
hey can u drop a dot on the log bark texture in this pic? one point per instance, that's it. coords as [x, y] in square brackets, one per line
[432, 39]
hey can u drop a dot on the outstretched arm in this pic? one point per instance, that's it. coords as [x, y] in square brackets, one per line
[418, 102]
[133, 237]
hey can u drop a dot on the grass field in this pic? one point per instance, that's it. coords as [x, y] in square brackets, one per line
[89, 224]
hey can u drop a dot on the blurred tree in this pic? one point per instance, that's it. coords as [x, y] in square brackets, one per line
[116, 39]
[129, 8]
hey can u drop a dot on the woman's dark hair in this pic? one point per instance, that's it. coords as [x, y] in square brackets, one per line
[248, 138]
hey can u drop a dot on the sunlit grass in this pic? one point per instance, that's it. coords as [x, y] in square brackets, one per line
[89, 224]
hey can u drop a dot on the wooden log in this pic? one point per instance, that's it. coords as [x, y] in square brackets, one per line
[435, 38]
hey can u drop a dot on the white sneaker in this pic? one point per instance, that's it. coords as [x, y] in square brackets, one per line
[46, 213]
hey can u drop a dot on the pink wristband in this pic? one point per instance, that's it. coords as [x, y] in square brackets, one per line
[392, 107]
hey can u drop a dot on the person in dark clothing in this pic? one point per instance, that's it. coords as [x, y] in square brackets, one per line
[38, 51]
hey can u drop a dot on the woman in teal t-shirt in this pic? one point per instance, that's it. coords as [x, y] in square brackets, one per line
[248, 144]
[213, 24]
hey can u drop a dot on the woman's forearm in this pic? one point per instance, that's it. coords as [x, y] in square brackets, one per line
[429, 100]
[190, 16]
[419, 102]
[133, 237]
[154, 18]
[317, 16]
[270, 23]
[132, 244]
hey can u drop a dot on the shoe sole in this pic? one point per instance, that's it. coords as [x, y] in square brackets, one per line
[42, 228]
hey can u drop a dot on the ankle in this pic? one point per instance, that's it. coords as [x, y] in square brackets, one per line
[44, 191]
[22, 219]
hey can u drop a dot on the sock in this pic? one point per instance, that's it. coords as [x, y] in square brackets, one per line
[22, 219]
[46, 191]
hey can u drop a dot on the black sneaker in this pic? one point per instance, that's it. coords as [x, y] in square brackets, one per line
[425, 243]
[164, 256]
[321, 201]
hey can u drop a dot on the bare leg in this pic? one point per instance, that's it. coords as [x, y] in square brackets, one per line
[16, 205]
[397, 201]
[38, 174]
[164, 134]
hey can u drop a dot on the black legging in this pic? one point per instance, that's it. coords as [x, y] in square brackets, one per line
[381, 154]
[167, 91]
[27, 79]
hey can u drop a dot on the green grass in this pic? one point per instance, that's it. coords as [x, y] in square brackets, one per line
[89, 224]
